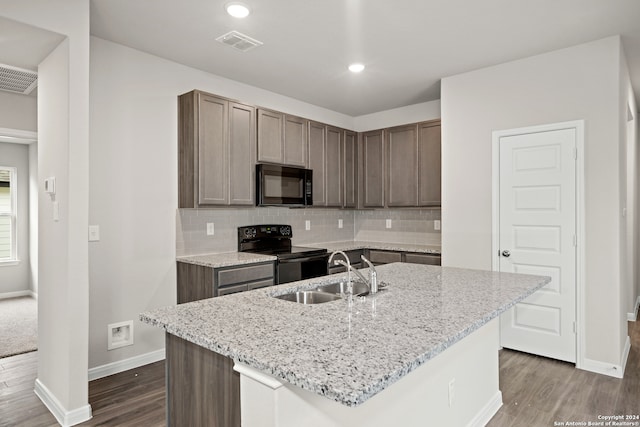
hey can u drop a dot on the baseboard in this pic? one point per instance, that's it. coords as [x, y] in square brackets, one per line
[483, 417]
[17, 294]
[65, 418]
[126, 364]
[616, 371]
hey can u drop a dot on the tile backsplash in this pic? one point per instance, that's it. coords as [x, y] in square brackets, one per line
[407, 226]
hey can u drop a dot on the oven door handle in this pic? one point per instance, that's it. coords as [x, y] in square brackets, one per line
[306, 259]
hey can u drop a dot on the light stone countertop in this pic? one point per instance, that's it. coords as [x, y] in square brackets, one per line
[349, 353]
[226, 259]
[348, 245]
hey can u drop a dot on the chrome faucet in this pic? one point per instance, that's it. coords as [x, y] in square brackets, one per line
[372, 282]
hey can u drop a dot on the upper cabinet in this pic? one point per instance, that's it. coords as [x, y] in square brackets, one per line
[372, 172]
[350, 168]
[333, 171]
[216, 158]
[429, 163]
[317, 160]
[282, 138]
[402, 166]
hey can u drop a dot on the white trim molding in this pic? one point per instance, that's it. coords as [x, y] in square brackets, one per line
[483, 417]
[18, 136]
[126, 364]
[17, 294]
[616, 371]
[65, 418]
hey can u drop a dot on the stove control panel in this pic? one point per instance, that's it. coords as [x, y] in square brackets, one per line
[264, 231]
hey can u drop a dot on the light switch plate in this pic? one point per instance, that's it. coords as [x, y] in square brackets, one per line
[94, 233]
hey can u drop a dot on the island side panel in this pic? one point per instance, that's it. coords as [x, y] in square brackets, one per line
[195, 282]
[202, 388]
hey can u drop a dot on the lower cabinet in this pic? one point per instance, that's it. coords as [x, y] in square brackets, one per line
[196, 282]
[378, 257]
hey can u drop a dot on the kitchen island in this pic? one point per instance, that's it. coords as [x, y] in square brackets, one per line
[424, 351]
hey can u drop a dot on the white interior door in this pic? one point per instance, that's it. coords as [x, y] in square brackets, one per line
[537, 235]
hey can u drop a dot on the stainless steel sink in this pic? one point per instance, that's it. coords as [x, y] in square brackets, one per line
[359, 288]
[309, 297]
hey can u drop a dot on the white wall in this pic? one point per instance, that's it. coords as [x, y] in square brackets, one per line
[133, 177]
[33, 218]
[63, 131]
[15, 278]
[398, 116]
[18, 111]
[581, 82]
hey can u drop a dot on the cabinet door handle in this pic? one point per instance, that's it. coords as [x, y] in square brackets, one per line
[506, 254]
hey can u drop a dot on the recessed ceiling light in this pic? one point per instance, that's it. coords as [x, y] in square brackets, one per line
[356, 68]
[237, 10]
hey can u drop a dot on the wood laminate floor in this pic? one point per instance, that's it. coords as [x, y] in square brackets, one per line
[536, 392]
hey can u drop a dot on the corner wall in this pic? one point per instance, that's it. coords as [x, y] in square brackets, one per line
[581, 82]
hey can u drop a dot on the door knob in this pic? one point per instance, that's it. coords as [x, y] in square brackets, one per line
[506, 254]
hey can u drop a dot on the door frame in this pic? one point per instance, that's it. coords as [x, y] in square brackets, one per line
[578, 126]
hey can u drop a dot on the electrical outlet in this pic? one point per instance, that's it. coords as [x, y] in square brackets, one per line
[210, 229]
[307, 224]
[452, 391]
[388, 223]
[340, 224]
[436, 224]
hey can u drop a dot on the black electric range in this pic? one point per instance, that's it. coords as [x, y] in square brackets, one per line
[294, 262]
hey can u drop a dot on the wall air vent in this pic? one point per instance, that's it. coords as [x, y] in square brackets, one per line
[17, 80]
[239, 41]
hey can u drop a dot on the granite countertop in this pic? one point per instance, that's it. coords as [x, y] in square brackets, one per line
[349, 352]
[225, 259]
[348, 245]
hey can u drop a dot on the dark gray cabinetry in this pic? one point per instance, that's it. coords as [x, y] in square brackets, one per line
[378, 257]
[350, 168]
[317, 160]
[402, 166]
[429, 163]
[282, 138]
[196, 282]
[372, 172]
[333, 167]
[216, 140]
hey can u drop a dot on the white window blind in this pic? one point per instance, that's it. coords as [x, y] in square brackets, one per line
[8, 192]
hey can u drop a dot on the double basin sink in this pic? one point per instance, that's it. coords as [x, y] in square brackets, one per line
[325, 293]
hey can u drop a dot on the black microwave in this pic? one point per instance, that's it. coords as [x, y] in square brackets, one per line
[283, 186]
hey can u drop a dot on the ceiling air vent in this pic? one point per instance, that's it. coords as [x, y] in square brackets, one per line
[17, 80]
[239, 41]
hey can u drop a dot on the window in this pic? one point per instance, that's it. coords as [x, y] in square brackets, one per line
[8, 214]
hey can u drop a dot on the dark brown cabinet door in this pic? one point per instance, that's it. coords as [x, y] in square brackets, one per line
[429, 164]
[373, 169]
[317, 156]
[402, 164]
[350, 170]
[242, 142]
[295, 141]
[270, 136]
[333, 167]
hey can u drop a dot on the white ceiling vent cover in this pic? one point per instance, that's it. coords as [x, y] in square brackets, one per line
[239, 41]
[17, 80]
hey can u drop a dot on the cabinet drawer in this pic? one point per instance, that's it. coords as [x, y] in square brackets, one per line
[244, 274]
[384, 257]
[260, 284]
[231, 290]
[415, 258]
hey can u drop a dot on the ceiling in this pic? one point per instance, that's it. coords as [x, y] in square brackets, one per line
[406, 45]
